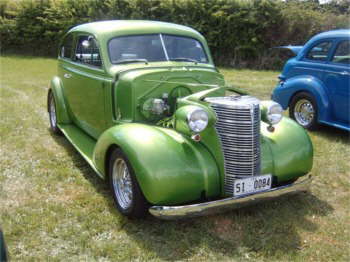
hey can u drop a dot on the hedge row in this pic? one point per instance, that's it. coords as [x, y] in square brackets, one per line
[239, 32]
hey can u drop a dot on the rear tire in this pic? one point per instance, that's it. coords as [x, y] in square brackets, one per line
[51, 106]
[303, 109]
[127, 194]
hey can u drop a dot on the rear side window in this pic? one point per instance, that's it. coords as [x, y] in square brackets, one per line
[67, 47]
[87, 51]
[320, 51]
[342, 53]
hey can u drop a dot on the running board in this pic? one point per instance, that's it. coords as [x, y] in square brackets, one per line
[82, 142]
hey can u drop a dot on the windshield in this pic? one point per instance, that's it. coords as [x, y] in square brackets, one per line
[155, 47]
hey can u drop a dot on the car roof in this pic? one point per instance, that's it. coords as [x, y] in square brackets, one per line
[333, 33]
[106, 29]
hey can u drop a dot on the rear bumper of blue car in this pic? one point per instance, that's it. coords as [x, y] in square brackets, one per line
[281, 96]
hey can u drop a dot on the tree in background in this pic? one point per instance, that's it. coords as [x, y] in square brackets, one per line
[239, 33]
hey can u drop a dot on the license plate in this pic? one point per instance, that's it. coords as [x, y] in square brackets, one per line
[251, 185]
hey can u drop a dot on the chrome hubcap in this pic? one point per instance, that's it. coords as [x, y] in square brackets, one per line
[304, 112]
[52, 112]
[122, 183]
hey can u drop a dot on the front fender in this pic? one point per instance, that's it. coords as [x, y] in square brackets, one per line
[287, 152]
[284, 93]
[61, 108]
[169, 167]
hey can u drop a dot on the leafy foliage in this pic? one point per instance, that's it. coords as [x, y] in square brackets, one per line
[239, 32]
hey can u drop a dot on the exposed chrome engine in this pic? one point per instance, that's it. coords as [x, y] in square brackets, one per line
[238, 126]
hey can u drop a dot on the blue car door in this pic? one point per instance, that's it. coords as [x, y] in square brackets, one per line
[314, 63]
[337, 80]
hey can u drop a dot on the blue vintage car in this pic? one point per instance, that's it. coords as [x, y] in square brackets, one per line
[315, 84]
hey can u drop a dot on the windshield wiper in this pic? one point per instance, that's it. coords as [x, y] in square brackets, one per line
[126, 61]
[183, 59]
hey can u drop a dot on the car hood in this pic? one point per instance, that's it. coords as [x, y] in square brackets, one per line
[134, 87]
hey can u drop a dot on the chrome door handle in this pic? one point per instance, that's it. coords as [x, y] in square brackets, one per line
[67, 75]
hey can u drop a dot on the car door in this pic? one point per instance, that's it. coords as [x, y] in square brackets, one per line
[84, 80]
[65, 68]
[315, 59]
[337, 80]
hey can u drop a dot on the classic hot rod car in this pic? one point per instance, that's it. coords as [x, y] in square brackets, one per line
[144, 104]
[315, 84]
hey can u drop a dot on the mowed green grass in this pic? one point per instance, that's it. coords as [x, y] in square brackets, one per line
[53, 206]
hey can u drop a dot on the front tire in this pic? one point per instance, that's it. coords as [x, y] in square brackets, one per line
[51, 105]
[127, 194]
[303, 109]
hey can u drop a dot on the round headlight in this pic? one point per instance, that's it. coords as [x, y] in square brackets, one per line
[197, 120]
[274, 113]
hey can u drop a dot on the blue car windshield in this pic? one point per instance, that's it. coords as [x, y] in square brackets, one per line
[154, 48]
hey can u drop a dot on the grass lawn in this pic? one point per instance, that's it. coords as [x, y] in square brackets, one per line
[53, 206]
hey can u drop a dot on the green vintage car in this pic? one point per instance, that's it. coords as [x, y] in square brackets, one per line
[144, 104]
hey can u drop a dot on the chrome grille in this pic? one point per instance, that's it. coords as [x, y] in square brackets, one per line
[238, 126]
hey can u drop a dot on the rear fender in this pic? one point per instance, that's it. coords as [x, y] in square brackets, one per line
[285, 93]
[61, 108]
[170, 168]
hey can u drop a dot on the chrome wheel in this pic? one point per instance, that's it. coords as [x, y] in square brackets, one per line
[304, 112]
[52, 112]
[122, 183]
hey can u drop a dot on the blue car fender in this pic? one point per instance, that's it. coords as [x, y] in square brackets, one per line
[284, 93]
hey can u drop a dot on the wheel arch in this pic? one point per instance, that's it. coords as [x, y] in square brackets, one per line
[56, 88]
[108, 155]
[169, 167]
[316, 89]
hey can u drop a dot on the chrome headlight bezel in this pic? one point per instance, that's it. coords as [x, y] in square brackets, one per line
[197, 120]
[274, 113]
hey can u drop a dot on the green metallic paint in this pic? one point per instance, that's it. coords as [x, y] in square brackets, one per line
[82, 142]
[61, 108]
[105, 30]
[170, 167]
[102, 109]
[84, 91]
[291, 150]
[286, 153]
[134, 87]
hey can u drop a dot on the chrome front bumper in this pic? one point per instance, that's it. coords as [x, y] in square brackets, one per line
[178, 212]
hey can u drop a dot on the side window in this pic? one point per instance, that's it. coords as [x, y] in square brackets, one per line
[67, 47]
[320, 51]
[342, 53]
[87, 51]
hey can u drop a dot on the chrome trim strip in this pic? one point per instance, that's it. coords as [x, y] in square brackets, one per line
[178, 212]
[323, 70]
